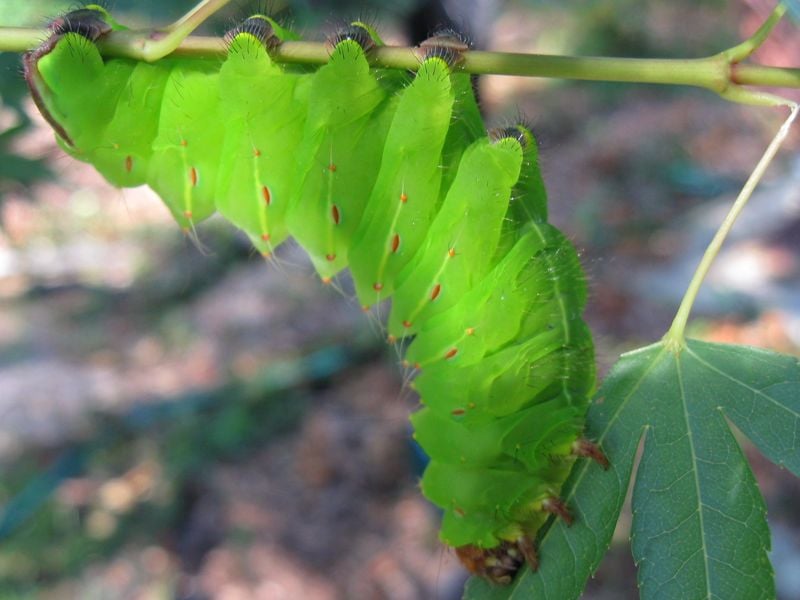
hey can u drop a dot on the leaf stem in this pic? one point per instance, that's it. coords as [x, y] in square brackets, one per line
[674, 339]
[742, 51]
[151, 46]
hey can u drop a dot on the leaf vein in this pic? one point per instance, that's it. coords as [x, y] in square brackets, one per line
[696, 479]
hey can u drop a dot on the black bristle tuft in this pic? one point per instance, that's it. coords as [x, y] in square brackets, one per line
[446, 44]
[449, 55]
[257, 26]
[86, 22]
[521, 131]
[354, 31]
[448, 38]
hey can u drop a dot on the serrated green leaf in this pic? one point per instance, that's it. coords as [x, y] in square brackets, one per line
[699, 527]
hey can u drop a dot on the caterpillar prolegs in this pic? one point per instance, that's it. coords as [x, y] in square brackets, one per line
[396, 179]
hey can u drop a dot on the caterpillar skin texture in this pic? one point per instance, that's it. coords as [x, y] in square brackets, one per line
[395, 178]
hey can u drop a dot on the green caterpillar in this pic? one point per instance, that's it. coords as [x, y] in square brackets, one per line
[396, 179]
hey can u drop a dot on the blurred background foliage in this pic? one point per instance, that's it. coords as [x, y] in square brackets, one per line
[187, 422]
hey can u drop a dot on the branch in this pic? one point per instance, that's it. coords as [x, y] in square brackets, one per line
[713, 73]
[721, 73]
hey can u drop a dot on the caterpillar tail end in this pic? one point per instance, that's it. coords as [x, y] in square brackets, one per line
[499, 564]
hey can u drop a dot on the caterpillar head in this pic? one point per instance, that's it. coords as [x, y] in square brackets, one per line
[501, 563]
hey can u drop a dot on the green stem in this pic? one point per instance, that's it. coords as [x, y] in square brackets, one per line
[742, 51]
[765, 77]
[674, 338]
[713, 73]
[20, 39]
[708, 72]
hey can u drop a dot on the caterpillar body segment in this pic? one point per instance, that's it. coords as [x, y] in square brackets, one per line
[528, 202]
[406, 194]
[486, 318]
[74, 61]
[125, 134]
[394, 177]
[186, 145]
[265, 115]
[338, 156]
[456, 252]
